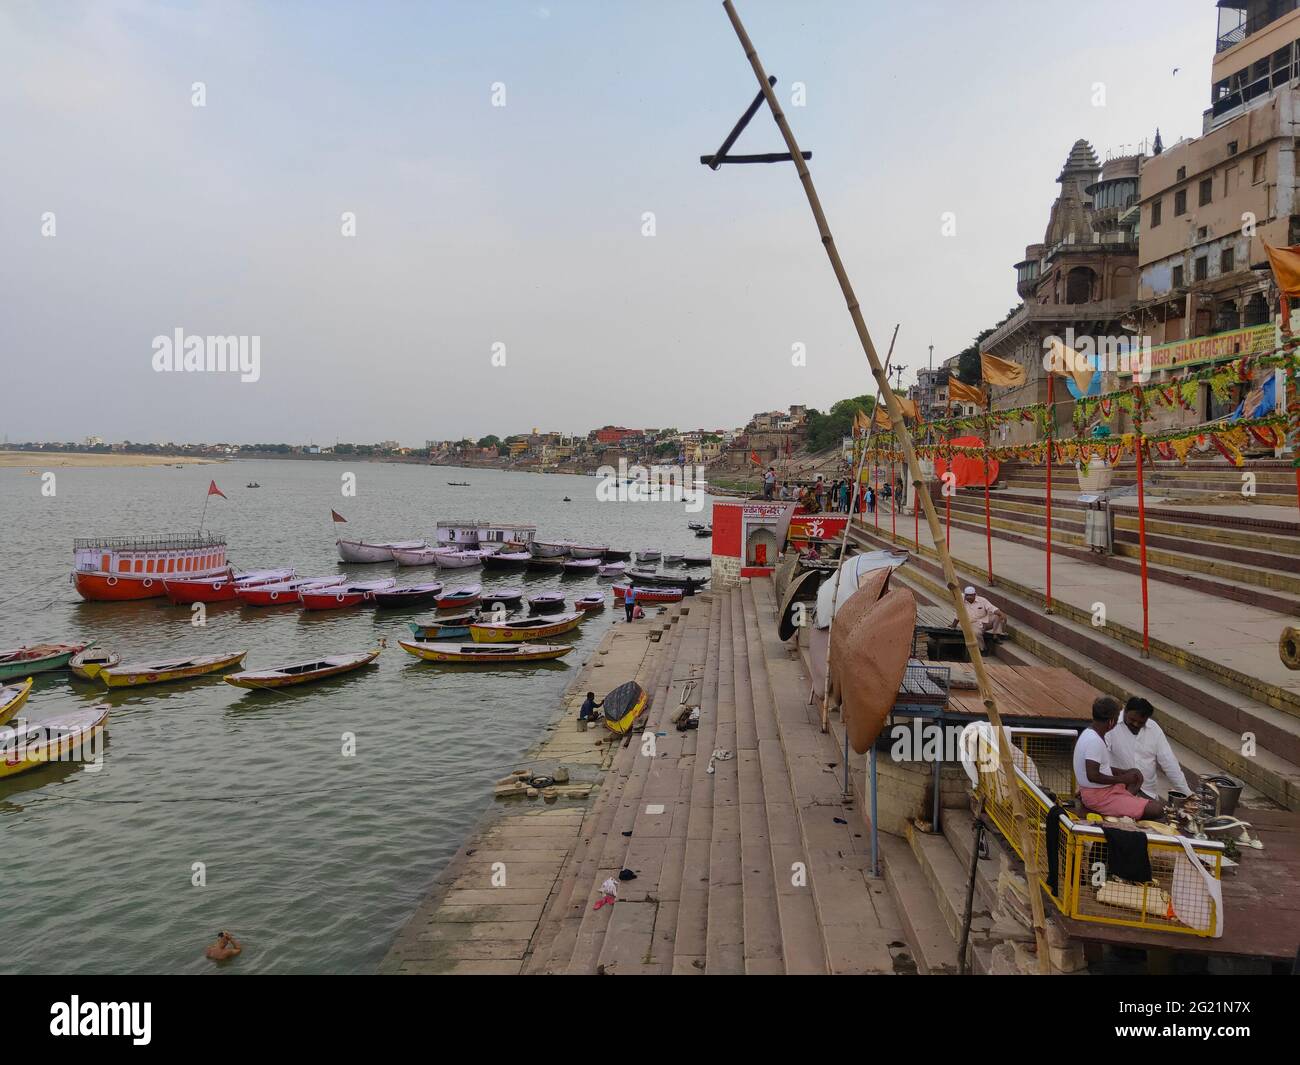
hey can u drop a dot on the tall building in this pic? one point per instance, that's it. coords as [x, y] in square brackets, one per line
[1209, 204]
[1083, 276]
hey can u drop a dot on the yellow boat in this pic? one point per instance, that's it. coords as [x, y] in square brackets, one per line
[12, 697]
[58, 738]
[169, 669]
[525, 629]
[478, 652]
[623, 706]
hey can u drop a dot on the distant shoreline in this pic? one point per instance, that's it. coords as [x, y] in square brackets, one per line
[45, 460]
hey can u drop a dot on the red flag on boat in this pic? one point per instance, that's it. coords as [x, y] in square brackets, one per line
[213, 490]
[336, 516]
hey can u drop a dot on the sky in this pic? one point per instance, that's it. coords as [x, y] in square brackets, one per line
[536, 244]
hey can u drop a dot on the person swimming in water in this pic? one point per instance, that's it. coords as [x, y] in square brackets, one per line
[225, 947]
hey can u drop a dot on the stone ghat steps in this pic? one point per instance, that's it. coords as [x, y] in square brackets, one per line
[755, 868]
[1242, 579]
[1207, 717]
[1275, 492]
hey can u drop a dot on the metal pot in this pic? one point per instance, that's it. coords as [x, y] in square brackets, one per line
[1229, 793]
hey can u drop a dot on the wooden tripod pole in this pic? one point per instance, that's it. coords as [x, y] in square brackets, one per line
[844, 543]
[1028, 844]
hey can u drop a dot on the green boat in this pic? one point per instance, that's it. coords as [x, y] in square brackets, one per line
[39, 658]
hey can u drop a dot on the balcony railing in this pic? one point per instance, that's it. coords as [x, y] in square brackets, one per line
[1248, 25]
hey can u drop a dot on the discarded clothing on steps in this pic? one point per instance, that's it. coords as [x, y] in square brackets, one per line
[718, 755]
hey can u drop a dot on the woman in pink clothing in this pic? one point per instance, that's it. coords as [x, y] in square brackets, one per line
[1102, 789]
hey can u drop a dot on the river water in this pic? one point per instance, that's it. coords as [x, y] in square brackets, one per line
[312, 858]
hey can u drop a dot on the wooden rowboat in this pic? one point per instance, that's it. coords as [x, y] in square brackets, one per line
[650, 595]
[165, 670]
[339, 596]
[87, 664]
[417, 556]
[623, 706]
[549, 548]
[699, 560]
[612, 569]
[360, 551]
[410, 595]
[38, 658]
[447, 628]
[546, 603]
[524, 630]
[450, 558]
[460, 597]
[618, 556]
[507, 597]
[301, 672]
[546, 564]
[687, 584]
[13, 697]
[284, 593]
[57, 738]
[506, 560]
[579, 551]
[579, 566]
[590, 602]
[221, 589]
[648, 556]
[479, 653]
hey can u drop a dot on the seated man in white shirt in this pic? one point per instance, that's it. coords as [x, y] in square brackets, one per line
[1139, 743]
[1104, 790]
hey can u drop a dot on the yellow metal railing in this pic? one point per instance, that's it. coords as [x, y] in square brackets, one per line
[1176, 898]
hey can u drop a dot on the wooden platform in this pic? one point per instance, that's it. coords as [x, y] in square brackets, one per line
[1032, 696]
[1261, 905]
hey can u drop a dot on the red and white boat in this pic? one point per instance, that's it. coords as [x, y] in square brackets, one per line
[650, 595]
[285, 593]
[453, 598]
[222, 589]
[120, 568]
[338, 596]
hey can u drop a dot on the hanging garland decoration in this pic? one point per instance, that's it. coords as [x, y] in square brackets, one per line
[1038, 413]
[1229, 438]
[1182, 393]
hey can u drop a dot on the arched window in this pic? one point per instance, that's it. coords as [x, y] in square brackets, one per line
[1078, 285]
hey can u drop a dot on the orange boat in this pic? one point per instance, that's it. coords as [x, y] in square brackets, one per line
[122, 568]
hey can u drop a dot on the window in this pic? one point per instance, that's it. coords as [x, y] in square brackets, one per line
[1179, 280]
[1226, 258]
[1202, 232]
[1207, 191]
[1180, 203]
[1182, 173]
[1259, 168]
[1202, 268]
[1232, 147]
[1156, 206]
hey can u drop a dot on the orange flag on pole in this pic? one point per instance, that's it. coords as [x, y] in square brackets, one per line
[1002, 372]
[960, 392]
[1286, 272]
[337, 517]
[1064, 361]
[213, 490]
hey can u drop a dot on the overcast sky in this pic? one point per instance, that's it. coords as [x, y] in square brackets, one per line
[522, 225]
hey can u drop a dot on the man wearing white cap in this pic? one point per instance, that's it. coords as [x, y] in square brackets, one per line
[986, 619]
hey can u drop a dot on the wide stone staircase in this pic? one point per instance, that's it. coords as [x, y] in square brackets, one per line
[747, 864]
[1239, 713]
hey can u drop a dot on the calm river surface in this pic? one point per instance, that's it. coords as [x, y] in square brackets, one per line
[312, 859]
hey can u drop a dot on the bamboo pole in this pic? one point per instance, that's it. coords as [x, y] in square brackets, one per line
[988, 520]
[1051, 440]
[1027, 840]
[1142, 529]
[844, 543]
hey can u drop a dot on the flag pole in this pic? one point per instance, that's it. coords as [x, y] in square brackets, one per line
[1028, 840]
[844, 543]
[1051, 438]
[988, 521]
[1142, 528]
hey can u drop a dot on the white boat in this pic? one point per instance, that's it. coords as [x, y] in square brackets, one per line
[612, 569]
[647, 556]
[588, 552]
[360, 551]
[550, 548]
[449, 559]
[419, 556]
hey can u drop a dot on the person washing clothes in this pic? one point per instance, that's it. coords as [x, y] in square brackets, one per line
[1104, 789]
[1139, 743]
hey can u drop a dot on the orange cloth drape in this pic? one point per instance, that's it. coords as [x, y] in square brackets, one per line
[1001, 372]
